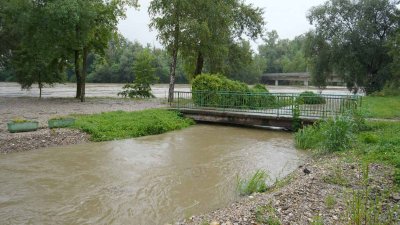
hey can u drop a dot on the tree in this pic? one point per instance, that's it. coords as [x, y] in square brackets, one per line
[283, 55]
[214, 25]
[26, 51]
[357, 34]
[170, 18]
[144, 68]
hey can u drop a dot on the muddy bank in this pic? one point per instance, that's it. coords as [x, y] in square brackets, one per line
[42, 110]
[316, 195]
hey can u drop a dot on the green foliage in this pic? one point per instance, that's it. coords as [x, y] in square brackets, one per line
[283, 55]
[260, 87]
[267, 215]
[333, 134]
[355, 47]
[330, 201]
[218, 91]
[366, 206]
[257, 183]
[336, 177]
[122, 125]
[309, 137]
[381, 107]
[381, 143]
[309, 97]
[144, 70]
[296, 121]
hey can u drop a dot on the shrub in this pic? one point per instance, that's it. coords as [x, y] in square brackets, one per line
[337, 133]
[257, 183]
[333, 134]
[219, 91]
[309, 97]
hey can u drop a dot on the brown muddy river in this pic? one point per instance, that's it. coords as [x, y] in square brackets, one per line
[150, 180]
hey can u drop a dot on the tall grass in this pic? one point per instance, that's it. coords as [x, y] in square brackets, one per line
[257, 183]
[365, 207]
[333, 134]
[122, 125]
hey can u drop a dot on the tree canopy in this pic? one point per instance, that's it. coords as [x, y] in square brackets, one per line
[351, 39]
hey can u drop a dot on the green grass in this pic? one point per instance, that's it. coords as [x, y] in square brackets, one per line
[381, 107]
[381, 143]
[122, 125]
[257, 183]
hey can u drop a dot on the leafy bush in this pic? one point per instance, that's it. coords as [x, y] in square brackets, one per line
[260, 87]
[136, 91]
[257, 183]
[145, 76]
[219, 91]
[122, 125]
[309, 97]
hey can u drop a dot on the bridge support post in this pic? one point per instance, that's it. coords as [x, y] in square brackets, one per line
[276, 82]
[306, 83]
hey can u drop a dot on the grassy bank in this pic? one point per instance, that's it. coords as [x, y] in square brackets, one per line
[381, 107]
[123, 125]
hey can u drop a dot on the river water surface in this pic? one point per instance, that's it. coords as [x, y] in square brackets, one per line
[149, 180]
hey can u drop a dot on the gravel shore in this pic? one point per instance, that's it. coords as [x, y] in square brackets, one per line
[44, 109]
[318, 197]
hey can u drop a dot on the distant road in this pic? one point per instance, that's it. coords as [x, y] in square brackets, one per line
[111, 90]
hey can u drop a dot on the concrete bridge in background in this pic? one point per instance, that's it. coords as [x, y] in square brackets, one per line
[305, 78]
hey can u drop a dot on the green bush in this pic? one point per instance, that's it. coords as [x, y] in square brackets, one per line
[309, 97]
[218, 91]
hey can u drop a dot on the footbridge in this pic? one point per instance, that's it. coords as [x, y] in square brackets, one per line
[261, 109]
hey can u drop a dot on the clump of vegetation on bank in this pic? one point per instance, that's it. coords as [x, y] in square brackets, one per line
[123, 125]
[257, 183]
[309, 97]
[333, 134]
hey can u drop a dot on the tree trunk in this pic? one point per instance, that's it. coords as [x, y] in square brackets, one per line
[199, 64]
[172, 75]
[40, 86]
[78, 75]
[84, 71]
[172, 70]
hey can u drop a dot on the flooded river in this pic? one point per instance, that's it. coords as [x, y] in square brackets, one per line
[111, 90]
[149, 180]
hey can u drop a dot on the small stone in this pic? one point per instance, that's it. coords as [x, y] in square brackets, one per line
[396, 197]
[251, 197]
[335, 217]
[306, 171]
[214, 223]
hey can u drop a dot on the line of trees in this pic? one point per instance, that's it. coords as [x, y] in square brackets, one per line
[52, 41]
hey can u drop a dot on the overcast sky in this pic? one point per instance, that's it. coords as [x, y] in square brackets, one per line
[288, 17]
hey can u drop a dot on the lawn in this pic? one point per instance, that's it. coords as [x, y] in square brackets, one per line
[381, 107]
[123, 125]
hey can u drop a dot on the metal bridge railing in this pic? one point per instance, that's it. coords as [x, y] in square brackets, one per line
[274, 104]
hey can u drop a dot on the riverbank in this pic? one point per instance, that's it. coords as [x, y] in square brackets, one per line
[44, 109]
[318, 192]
